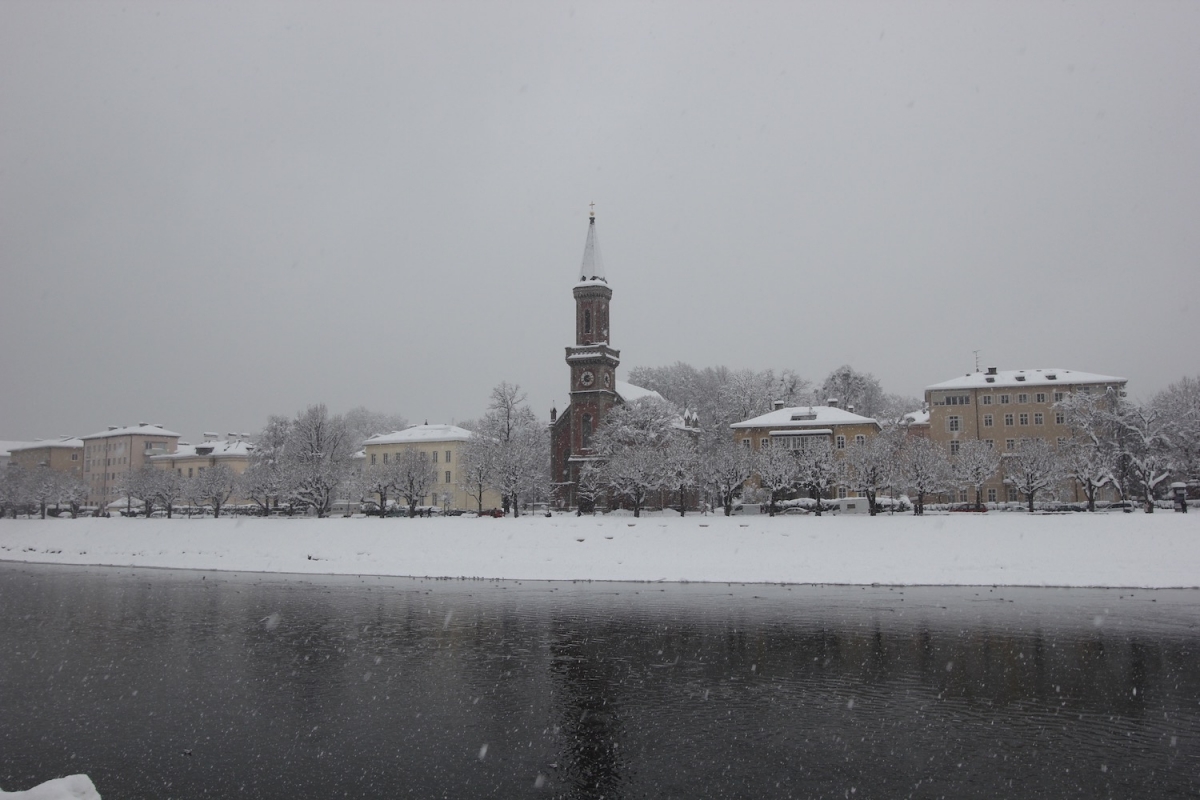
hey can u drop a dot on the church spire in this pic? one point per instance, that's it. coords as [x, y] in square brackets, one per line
[592, 268]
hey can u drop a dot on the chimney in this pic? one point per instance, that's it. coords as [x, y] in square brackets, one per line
[553, 413]
[113, 427]
[776, 405]
[850, 408]
[832, 402]
[991, 371]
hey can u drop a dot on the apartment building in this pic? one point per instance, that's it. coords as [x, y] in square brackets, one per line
[190, 460]
[443, 446]
[64, 454]
[110, 455]
[1002, 407]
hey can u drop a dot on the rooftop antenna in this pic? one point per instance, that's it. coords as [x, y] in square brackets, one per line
[976, 352]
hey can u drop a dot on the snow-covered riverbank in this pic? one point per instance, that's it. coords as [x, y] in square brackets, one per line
[1159, 550]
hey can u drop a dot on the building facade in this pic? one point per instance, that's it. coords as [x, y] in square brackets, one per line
[109, 456]
[442, 446]
[63, 455]
[1003, 407]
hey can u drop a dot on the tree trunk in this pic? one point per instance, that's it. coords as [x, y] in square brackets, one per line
[871, 503]
[1031, 502]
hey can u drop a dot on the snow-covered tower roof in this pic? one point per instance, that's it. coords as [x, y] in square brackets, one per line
[592, 268]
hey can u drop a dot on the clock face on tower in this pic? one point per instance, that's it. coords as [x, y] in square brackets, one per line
[587, 378]
[607, 380]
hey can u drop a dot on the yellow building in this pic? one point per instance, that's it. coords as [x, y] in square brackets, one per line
[190, 460]
[443, 445]
[1003, 407]
[110, 455]
[791, 427]
[64, 455]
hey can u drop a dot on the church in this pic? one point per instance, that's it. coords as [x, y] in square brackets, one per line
[594, 388]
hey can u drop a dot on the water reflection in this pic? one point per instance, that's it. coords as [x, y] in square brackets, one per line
[162, 683]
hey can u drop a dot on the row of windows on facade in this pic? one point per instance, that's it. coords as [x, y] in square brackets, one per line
[954, 423]
[801, 442]
[423, 456]
[108, 462]
[119, 447]
[1009, 444]
[1001, 399]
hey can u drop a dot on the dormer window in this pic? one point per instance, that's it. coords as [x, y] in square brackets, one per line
[804, 416]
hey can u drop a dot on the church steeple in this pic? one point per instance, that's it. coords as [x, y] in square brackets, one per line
[592, 268]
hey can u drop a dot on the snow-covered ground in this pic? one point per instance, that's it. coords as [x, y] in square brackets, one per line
[1126, 550]
[72, 787]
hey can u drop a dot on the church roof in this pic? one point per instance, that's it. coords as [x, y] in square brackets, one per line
[592, 268]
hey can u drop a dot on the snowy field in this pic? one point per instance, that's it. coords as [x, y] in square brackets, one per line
[1119, 550]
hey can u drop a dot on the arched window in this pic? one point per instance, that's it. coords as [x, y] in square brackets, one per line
[587, 320]
[586, 425]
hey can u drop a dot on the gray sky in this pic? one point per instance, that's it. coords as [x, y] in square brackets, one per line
[211, 212]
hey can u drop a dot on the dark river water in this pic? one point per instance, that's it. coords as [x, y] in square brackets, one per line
[165, 684]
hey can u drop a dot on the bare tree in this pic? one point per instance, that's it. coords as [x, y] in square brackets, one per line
[476, 466]
[168, 488]
[521, 447]
[925, 468]
[974, 465]
[777, 470]
[1032, 468]
[216, 485]
[416, 476]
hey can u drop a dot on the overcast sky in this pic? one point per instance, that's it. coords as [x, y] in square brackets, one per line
[212, 212]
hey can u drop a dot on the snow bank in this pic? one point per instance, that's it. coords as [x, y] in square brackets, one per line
[1127, 550]
[72, 787]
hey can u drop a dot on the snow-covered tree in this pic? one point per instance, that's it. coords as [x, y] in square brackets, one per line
[382, 480]
[974, 465]
[724, 466]
[476, 462]
[262, 483]
[168, 489]
[1090, 456]
[681, 466]
[12, 490]
[924, 468]
[1179, 407]
[817, 469]
[871, 465]
[363, 423]
[416, 476]
[721, 396]
[215, 485]
[1144, 435]
[861, 390]
[521, 447]
[777, 470]
[631, 446]
[316, 457]
[1032, 468]
[142, 485]
[72, 491]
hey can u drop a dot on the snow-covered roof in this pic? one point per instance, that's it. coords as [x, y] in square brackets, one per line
[229, 448]
[418, 434]
[629, 393]
[916, 418]
[805, 417]
[1022, 377]
[7, 447]
[133, 430]
[63, 441]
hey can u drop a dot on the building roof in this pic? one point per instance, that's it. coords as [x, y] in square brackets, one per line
[228, 448]
[1049, 376]
[63, 441]
[6, 447]
[916, 418]
[140, 429]
[592, 268]
[420, 434]
[805, 417]
[629, 393]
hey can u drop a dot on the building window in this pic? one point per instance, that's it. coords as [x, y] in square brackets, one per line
[435, 456]
[954, 424]
[74, 456]
[587, 431]
[962, 495]
[447, 456]
[746, 443]
[447, 476]
[1012, 494]
[1022, 398]
[1039, 419]
[587, 320]
[991, 443]
[189, 472]
[1040, 397]
[1058, 397]
[954, 447]
[957, 400]
[372, 459]
[1024, 419]
[986, 400]
[764, 443]
[1059, 418]
[860, 440]
[841, 491]
[991, 495]
[385, 458]
[841, 442]
[1005, 399]
[1008, 419]
[987, 420]
[1010, 444]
